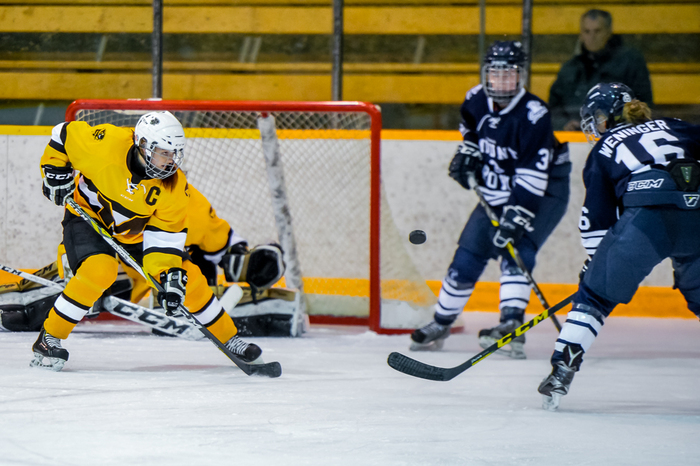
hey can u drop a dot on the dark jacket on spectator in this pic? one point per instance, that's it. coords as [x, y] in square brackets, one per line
[615, 63]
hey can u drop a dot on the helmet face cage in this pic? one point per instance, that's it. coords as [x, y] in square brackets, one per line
[502, 81]
[590, 121]
[160, 130]
[175, 159]
[503, 74]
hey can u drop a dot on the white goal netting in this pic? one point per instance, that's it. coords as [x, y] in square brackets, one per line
[328, 160]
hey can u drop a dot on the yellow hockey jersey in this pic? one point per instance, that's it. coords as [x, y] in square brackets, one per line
[205, 229]
[131, 208]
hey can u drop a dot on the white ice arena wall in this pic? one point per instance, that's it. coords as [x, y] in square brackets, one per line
[414, 173]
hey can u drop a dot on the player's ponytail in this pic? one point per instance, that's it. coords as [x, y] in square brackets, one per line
[636, 112]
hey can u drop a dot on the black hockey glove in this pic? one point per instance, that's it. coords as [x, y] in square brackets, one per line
[584, 269]
[265, 266]
[232, 262]
[467, 162]
[174, 283]
[514, 222]
[58, 183]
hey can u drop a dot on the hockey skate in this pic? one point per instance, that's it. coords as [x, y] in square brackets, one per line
[514, 349]
[248, 352]
[556, 385]
[565, 364]
[48, 353]
[430, 338]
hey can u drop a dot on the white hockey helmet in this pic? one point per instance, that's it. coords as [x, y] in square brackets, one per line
[160, 130]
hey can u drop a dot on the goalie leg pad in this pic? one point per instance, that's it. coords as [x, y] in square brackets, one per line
[26, 318]
[266, 325]
[13, 318]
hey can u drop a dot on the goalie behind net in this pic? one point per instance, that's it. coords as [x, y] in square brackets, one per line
[328, 160]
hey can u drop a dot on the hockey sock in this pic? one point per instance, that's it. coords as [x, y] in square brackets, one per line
[580, 329]
[451, 300]
[93, 277]
[514, 293]
[223, 328]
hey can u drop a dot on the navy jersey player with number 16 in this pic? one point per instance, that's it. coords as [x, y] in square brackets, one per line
[642, 181]
[523, 172]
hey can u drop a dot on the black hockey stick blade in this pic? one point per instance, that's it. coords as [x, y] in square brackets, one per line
[412, 367]
[270, 369]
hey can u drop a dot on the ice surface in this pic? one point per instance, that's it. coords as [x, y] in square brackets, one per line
[126, 397]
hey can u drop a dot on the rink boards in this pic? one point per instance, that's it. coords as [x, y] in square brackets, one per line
[420, 196]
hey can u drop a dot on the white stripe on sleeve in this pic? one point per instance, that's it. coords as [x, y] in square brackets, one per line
[56, 133]
[495, 197]
[163, 239]
[532, 180]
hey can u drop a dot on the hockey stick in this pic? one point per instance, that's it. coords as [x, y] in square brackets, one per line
[125, 309]
[272, 369]
[32, 278]
[513, 252]
[419, 369]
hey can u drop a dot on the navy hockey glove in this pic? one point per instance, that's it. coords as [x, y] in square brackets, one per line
[514, 222]
[232, 262]
[174, 283]
[58, 183]
[467, 162]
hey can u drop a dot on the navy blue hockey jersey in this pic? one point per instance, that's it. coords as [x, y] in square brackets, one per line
[621, 153]
[517, 143]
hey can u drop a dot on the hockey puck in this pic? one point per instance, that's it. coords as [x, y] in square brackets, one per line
[417, 237]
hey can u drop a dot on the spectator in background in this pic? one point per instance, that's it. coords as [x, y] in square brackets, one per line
[602, 58]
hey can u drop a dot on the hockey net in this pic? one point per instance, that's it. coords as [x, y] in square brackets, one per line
[322, 200]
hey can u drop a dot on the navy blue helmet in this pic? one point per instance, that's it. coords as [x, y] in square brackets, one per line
[602, 109]
[503, 74]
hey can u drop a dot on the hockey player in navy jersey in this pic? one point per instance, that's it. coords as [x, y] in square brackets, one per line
[510, 150]
[642, 182]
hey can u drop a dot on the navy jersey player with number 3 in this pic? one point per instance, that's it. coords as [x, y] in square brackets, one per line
[642, 182]
[523, 172]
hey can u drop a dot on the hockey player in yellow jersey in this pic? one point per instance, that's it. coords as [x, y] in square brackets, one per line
[130, 183]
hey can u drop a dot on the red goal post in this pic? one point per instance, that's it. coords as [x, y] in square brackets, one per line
[347, 253]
